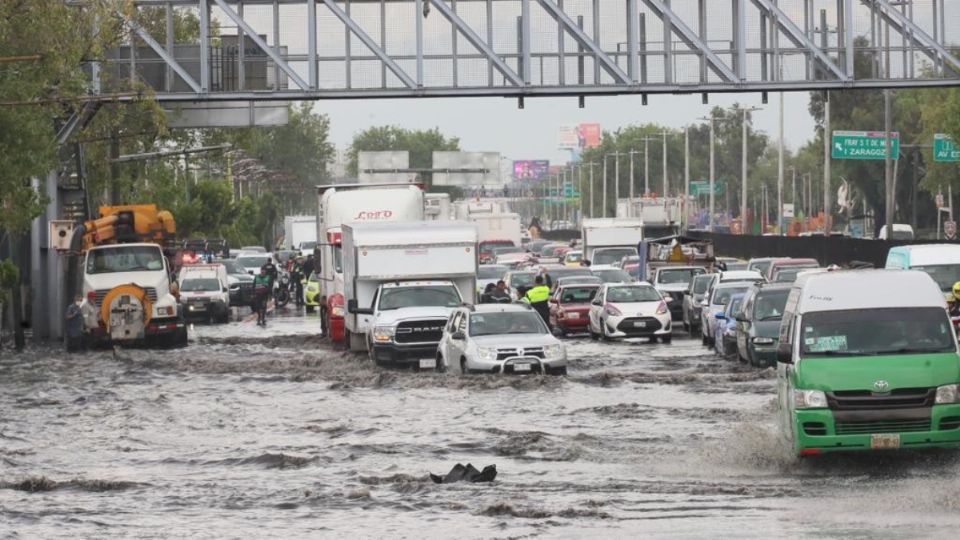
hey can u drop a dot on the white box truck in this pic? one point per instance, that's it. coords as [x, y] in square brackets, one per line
[607, 240]
[298, 230]
[437, 207]
[339, 204]
[496, 230]
[402, 282]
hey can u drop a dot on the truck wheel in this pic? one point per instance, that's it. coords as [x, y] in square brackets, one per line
[310, 309]
[357, 342]
[180, 338]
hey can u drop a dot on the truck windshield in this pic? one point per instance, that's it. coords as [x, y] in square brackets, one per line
[677, 275]
[769, 305]
[125, 259]
[489, 324]
[200, 284]
[876, 332]
[944, 274]
[610, 256]
[419, 296]
[700, 284]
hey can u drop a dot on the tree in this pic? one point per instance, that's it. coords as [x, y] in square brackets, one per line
[420, 143]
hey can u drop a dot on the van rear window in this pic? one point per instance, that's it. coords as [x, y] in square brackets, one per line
[876, 332]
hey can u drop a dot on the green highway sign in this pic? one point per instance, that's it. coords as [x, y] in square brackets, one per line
[702, 187]
[944, 149]
[863, 145]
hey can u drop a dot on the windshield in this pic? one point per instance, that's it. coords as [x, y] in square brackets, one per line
[680, 275]
[521, 280]
[550, 251]
[524, 322]
[722, 296]
[629, 295]
[613, 276]
[610, 256]
[944, 274]
[200, 284]
[579, 280]
[232, 266]
[876, 332]
[253, 262]
[125, 259]
[759, 266]
[488, 246]
[557, 273]
[573, 257]
[769, 305]
[700, 284]
[419, 296]
[789, 275]
[577, 295]
[734, 305]
[736, 266]
[503, 250]
[491, 272]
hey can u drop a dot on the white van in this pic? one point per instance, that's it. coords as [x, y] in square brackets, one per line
[205, 292]
[940, 261]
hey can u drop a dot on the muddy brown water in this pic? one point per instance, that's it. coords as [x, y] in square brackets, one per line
[270, 433]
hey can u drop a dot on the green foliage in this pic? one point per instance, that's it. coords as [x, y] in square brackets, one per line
[420, 143]
[9, 277]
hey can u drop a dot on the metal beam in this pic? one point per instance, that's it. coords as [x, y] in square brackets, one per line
[800, 39]
[903, 23]
[692, 40]
[608, 64]
[477, 42]
[370, 43]
[170, 60]
[274, 55]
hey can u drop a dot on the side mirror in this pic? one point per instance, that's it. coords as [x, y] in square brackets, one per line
[459, 336]
[784, 353]
[720, 316]
[352, 305]
[226, 289]
[741, 318]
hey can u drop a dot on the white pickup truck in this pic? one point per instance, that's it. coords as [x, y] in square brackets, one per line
[402, 281]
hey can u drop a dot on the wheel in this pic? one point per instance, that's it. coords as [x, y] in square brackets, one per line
[603, 331]
[180, 338]
[593, 335]
[311, 309]
[463, 366]
[704, 340]
[667, 339]
[441, 364]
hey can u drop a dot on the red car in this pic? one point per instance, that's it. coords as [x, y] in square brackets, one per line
[569, 307]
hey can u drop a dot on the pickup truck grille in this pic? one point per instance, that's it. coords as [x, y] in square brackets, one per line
[102, 293]
[425, 331]
[901, 398]
[504, 353]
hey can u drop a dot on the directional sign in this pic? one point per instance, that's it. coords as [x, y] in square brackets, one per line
[944, 149]
[702, 187]
[863, 145]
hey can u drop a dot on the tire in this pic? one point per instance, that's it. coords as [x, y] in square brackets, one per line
[593, 335]
[441, 364]
[667, 339]
[703, 340]
[311, 309]
[179, 338]
[463, 367]
[603, 333]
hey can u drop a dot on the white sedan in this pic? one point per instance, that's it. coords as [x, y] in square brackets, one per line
[624, 310]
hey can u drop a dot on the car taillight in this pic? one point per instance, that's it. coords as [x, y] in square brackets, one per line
[662, 308]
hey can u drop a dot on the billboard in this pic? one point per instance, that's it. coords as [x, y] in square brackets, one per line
[466, 169]
[376, 167]
[579, 136]
[530, 169]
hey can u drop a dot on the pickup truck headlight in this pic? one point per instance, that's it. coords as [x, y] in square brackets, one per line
[553, 351]
[948, 394]
[383, 334]
[809, 399]
[762, 341]
[486, 354]
[165, 311]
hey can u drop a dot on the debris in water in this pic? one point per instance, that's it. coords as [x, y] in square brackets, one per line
[459, 473]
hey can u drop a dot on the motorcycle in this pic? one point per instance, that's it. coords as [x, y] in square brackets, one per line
[281, 290]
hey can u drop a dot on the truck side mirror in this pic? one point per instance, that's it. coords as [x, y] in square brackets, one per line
[784, 353]
[458, 335]
[352, 305]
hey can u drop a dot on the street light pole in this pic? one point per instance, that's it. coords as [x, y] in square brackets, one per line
[684, 211]
[888, 163]
[646, 165]
[780, 174]
[630, 206]
[743, 182]
[665, 186]
[591, 164]
[603, 211]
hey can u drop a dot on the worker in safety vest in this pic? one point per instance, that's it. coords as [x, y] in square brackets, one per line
[538, 296]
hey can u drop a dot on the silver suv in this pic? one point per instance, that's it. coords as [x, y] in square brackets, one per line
[500, 338]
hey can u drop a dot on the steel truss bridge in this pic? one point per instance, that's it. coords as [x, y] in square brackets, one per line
[322, 49]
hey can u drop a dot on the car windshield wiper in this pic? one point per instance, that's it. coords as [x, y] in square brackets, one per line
[770, 317]
[913, 350]
[840, 353]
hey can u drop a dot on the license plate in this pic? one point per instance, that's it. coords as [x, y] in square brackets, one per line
[427, 363]
[521, 367]
[573, 315]
[640, 324]
[885, 442]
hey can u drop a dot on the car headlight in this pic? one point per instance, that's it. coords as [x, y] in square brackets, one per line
[612, 311]
[383, 334]
[948, 394]
[165, 311]
[486, 354]
[235, 285]
[337, 311]
[809, 399]
[662, 308]
[762, 341]
[553, 351]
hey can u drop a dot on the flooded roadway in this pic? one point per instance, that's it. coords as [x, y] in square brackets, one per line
[269, 430]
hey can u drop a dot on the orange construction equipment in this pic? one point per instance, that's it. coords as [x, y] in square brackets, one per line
[127, 224]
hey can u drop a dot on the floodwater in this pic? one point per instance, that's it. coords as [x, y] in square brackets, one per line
[269, 433]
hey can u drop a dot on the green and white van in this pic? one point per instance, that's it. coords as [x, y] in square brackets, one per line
[867, 360]
[941, 261]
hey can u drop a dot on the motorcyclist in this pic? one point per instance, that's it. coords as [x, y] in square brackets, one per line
[262, 285]
[308, 267]
[297, 276]
[955, 305]
[271, 270]
[538, 297]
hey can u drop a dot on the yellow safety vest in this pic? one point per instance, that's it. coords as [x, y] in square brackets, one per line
[540, 293]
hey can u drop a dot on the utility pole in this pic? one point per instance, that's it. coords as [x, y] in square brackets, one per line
[827, 135]
[780, 174]
[646, 166]
[888, 163]
[603, 211]
[580, 189]
[665, 186]
[743, 184]
[713, 169]
[684, 215]
[616, 189]
[633, 179]
[591, 164]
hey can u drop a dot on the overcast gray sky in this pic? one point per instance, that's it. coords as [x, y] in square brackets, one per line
[497, 125]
